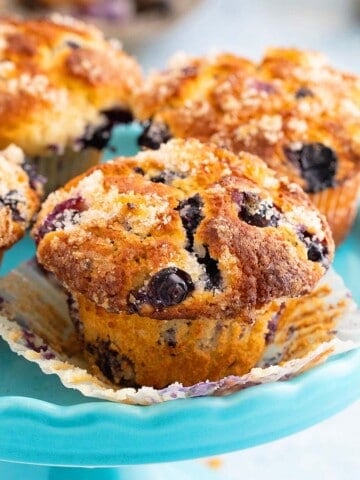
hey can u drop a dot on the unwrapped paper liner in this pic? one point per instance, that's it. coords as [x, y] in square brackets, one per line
[34, 322]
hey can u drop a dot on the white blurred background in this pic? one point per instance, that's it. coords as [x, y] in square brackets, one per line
[249, 26]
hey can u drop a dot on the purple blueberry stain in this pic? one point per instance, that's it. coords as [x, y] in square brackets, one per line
[262, 87]
[202, 389]
[166, 177]
[36, 181]
[109, 10]
[34, 343]
[273, 324]
[66, 212]
[317, 164]
[12, 200]
[255, 211]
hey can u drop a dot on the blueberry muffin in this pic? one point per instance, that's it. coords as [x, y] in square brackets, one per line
[63, 87]
[20, 190]
[188, 243]
[294, 110]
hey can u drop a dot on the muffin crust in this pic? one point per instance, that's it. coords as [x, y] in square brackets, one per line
[289, 97]
[293, 109]
[57, 76]
[188, 231]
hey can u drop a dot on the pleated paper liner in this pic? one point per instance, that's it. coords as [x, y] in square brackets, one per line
[34, 322]
[339, 204]
[57, 169]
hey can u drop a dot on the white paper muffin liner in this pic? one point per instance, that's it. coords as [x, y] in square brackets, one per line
[34, 322]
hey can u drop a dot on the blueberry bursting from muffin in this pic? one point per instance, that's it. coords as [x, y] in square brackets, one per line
[316, 163]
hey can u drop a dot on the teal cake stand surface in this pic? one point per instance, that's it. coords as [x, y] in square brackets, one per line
[48, 432]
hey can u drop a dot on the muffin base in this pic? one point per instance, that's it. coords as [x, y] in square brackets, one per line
[45, 336]
[58, 169]
[339, 205]
[132, 351]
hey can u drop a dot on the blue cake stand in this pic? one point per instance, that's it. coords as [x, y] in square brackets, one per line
[48, 432]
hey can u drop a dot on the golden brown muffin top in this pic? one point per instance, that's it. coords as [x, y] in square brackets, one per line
[187, 231]
[56, 77]
[294, 110]
[19, 196]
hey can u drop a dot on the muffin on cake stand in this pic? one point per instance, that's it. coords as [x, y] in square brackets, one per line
[50, 432]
